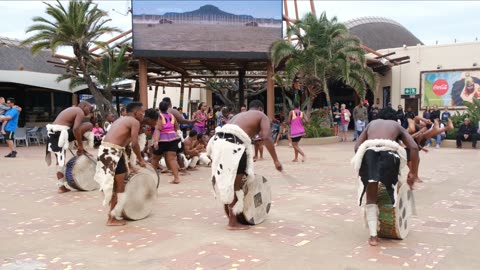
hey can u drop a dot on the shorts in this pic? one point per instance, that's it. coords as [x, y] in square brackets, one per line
[164, 147]
[381, 166]
[296, 139]
[9, 136]
[121, 166]
[344, 127]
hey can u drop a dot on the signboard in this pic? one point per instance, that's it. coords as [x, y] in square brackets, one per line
[206, 29]
[450, 88]
[410, 91]
[83, 97]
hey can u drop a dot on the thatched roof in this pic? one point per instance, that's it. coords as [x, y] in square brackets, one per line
[16, 57]
[381, 33]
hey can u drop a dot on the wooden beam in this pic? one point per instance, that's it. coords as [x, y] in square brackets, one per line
[270, 92]
[112, 40]
[296, 9]
[168, 65]
[62, 56]
[285, 9]
[385, 55]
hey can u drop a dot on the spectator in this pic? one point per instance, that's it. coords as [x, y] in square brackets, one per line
[344, 120]
[440, 136]
[210, 119]
[373, 115]
[222, 117]
[98, 134]
[360, 117]
[200, 116]
[3, 119]
[108, 121]
[426, 113]
[336, 117]
[11, 115]
[401, 115]
[435, 113]
[243, 108]
[190, 147]
[445, 115]
[123, 112]
[408, 115]
[184, 127]
[466, 132]
[283, 134]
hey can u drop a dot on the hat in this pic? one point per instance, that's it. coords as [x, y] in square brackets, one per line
[365, 101]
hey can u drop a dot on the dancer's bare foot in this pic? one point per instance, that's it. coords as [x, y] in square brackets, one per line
[112, 221]
[373, 241]
[63, 189]
[174, 181]
[238, 227]
[304, 158]
[255, 158]
[449, 125]
[295, 160]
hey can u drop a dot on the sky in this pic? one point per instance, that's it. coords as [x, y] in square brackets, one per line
[261, 9]
[430, 21]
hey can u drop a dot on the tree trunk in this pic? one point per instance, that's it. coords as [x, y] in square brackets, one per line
[329, 102]
[284, 100]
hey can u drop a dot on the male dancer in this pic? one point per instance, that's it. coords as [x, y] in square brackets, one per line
[379, 158]
[67, 127]
[232, 157]
[112, 164]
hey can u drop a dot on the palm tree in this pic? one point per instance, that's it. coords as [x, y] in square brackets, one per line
[78, 26]
[324, 52]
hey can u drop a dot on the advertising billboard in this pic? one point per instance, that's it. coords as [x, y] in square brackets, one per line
[206, 29]
[450, 88]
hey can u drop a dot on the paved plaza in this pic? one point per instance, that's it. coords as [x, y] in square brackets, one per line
[314, 222]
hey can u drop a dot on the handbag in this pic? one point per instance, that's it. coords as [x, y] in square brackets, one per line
[346, 116]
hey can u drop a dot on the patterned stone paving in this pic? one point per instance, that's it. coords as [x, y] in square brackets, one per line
[419, 255]
[336, 210]
[43, 226]
[132, 238]
[213, 216]
[457, 205]
[446, 226]
[214, 256]
[39, 261]
[287, 232]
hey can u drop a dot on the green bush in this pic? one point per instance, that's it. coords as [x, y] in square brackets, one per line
[318, 125]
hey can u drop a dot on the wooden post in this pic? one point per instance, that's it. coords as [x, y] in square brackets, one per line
[155, 97]
[117, 98]
[52, 104]
[285, 10]
[270, 91]
[296, 9]
[142, 73]
[189, 99]
[74, 99]
[241, 88]
[182, 91]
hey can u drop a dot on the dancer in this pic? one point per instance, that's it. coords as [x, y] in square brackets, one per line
[379, 158]
[232, 158]
[297, 131]
[69, 126]
[112, 163]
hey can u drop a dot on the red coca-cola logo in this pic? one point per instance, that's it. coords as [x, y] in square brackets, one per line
[440, 87]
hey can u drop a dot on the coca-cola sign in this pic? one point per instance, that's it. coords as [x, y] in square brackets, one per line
[440, 87]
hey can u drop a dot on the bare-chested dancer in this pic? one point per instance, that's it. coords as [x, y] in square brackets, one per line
[112, 164]
[67, 127]
[379, 158]
[423, 129]
[232, 157]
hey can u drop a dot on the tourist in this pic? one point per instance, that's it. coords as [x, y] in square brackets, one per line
[284, 134]
[337, 121]
[344, 121]
[10, 119]
[440, 136]
[222, 117]
[408, 115]
[112, 166]
[98, 133]
[297, 131]
[108, 121]
[243, 108]
[426, 113]
[69, 126]
[373, 115]
[184, 127]
[232, 158]
[360, 116]
[201, 118]
[445, 115]
[400, 115]
[466, 132]
[435, 113]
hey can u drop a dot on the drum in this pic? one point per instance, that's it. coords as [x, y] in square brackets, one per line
[140, 192]
[79, 173]
[257, 201]
[394, 220]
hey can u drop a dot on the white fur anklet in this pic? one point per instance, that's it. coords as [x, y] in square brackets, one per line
[372, 218]
[238, 207]
[117, 211]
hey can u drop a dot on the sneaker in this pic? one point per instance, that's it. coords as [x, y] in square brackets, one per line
[14, 154]
[438, 146]
[9, 155]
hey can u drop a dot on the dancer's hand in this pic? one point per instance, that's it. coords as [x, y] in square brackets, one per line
[142, 163]
[80, 151]
[278, 165]
[411, 179]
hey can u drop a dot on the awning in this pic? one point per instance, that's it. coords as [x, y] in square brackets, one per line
[36, 79]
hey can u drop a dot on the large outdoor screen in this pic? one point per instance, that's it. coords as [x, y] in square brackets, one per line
[206, 29]
[450, 88]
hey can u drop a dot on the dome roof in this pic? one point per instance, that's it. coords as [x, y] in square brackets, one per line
[381, 33]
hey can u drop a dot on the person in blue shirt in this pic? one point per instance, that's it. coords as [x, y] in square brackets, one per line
[10, 127]
[445, 115]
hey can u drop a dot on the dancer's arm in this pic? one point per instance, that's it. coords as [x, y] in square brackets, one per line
[266, 133]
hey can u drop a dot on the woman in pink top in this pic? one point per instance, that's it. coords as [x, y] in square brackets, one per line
[297, 131]
[201, 117]
[166, 140]
[345, 116]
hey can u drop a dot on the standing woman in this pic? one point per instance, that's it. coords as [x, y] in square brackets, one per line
[200, 117]
[336, 117]
[344, 121]
[165, 141]
[426, 113]
[297, 131]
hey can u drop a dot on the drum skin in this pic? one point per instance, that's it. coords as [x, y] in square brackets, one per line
[79, 173]
[141, 192]
[394, 221]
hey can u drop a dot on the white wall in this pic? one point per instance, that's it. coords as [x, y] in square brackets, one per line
[425, 58]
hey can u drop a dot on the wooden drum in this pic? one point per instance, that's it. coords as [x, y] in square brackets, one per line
[79, 173]
[141, 192]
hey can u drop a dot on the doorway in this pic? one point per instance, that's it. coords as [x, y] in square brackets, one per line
[412, 102]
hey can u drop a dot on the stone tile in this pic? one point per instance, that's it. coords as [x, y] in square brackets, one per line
[44, 226]
[214, 256]
[186, 193]
[457, 205]
[132, 238]
[446, 226]
[39, 261]
[287, 232]
[214, 216]
[336, 210]
[394, 252]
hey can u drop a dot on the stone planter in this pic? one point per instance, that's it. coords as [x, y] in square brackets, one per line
[314, 141]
